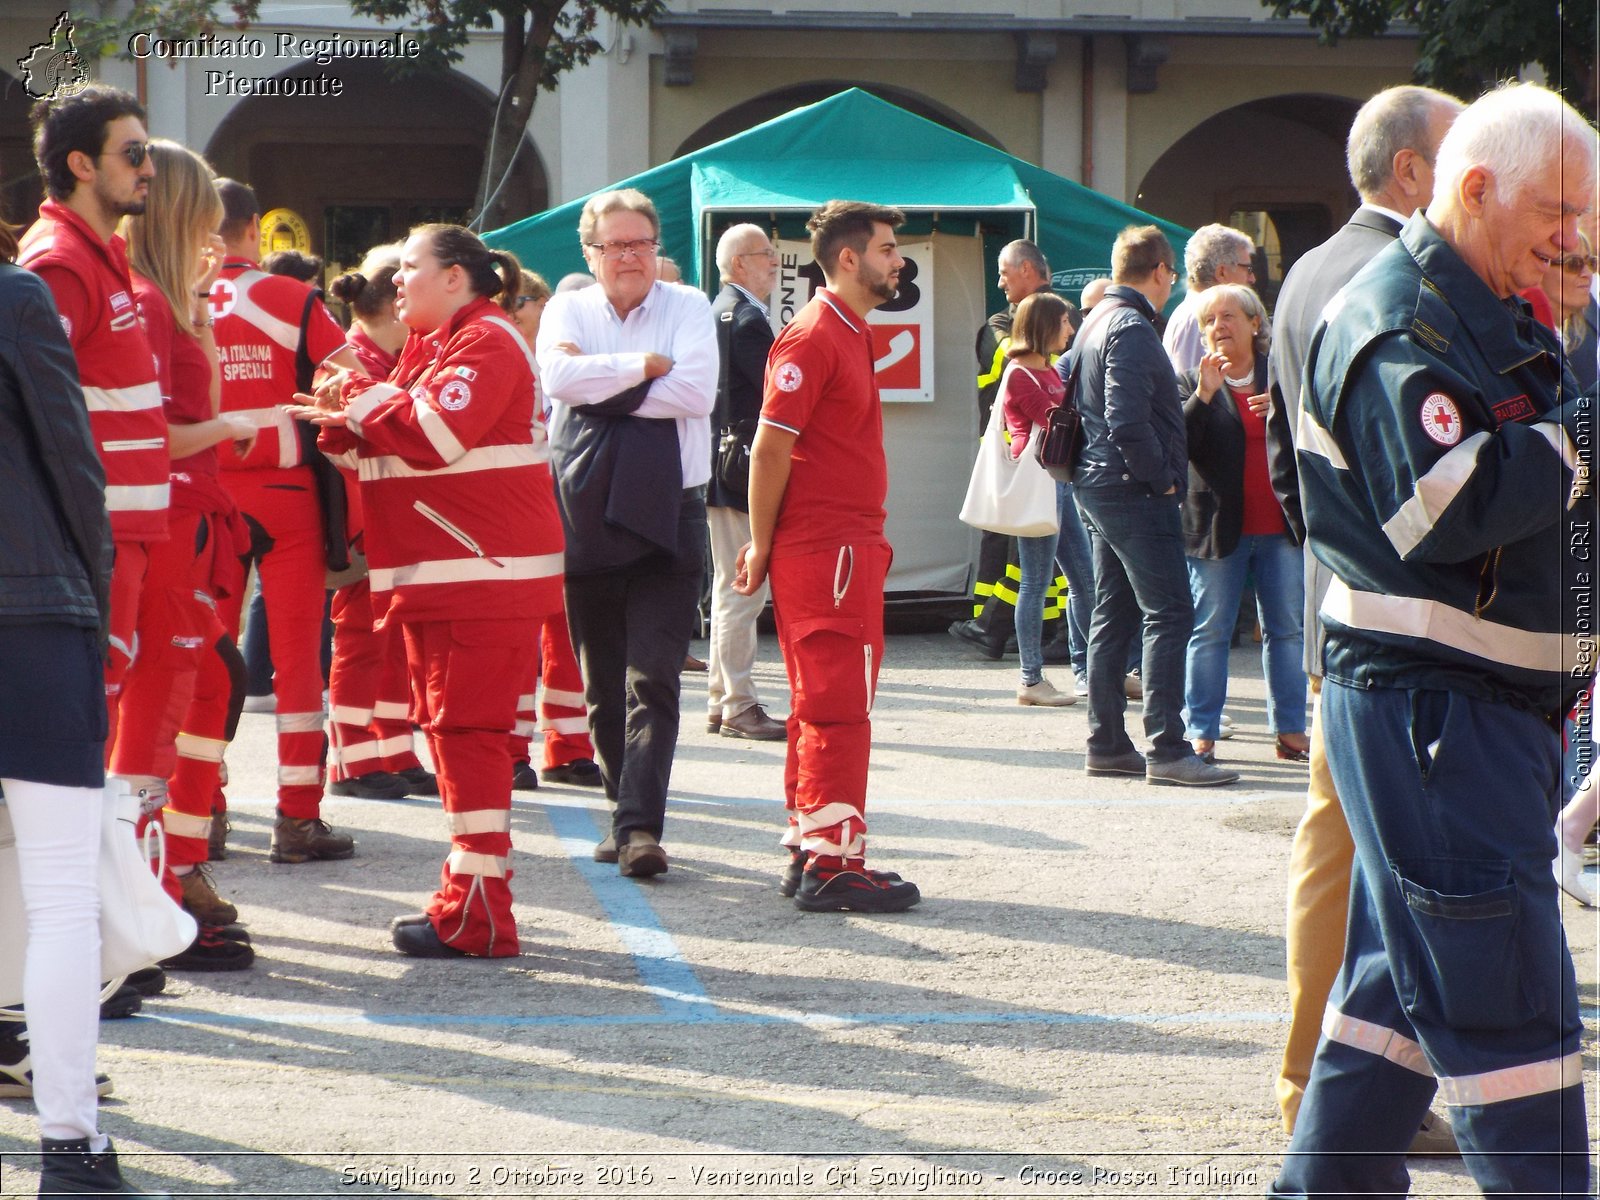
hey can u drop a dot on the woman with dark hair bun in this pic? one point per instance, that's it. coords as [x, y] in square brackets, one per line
[464, 546]
[370, 752]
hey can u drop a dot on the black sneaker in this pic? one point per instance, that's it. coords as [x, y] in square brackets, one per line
[375, 785]
[419, 781]
[16, 1068]
[524, 778]
[126, 1001]
[584, 772]
[151, 981]
[854, 891]
[210, 951]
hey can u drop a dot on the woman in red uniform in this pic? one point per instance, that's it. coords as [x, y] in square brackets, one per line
[464, 546]
[183, 648]
[370, 750]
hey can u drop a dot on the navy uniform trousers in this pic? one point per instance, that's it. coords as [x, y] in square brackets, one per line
[1456, 974]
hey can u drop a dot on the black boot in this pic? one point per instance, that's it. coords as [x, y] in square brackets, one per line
[70, 1169]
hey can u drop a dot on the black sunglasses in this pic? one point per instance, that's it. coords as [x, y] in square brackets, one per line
[134, 152]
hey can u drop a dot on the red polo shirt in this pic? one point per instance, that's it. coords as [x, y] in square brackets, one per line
[821, 386]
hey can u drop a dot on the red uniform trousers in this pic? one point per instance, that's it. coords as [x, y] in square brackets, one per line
[563, 716]
[466, 677]
[130, 564]
[369, 691]
[178, 632]
[829, 610]
[293, 569]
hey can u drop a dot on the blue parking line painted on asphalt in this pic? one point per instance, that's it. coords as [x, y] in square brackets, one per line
[662, 969]
[705, 1015]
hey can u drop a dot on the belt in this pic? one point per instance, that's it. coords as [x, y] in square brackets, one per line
[695, 493]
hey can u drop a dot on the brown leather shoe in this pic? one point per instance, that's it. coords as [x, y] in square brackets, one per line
[606, 849]
[691, 663]
[754, 724]
[642, 856]
[300, 839]
[201, 899]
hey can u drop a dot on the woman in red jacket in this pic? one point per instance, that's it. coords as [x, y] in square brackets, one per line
[464, 545]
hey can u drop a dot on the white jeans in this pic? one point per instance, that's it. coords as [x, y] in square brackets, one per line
[58, 855]
[730, 688]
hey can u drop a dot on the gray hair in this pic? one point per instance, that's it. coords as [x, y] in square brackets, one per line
[619, 200]
[1396, 119]
[1514, 133]
[729, 246]
[1249, 303]
[1023, 251]
[1211, 247]
[574, 281]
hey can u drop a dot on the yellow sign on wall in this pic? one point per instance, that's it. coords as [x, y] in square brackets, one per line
[284, 229]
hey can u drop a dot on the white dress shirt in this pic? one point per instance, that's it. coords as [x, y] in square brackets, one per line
[673, 320]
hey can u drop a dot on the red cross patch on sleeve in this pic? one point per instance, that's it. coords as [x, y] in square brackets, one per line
[1441, 419]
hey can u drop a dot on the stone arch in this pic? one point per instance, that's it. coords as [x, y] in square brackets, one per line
[387, 154]
[765, 107]
[1274, 166]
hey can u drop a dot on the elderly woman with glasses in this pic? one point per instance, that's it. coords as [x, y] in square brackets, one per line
[1234, 528]
[1565, 301]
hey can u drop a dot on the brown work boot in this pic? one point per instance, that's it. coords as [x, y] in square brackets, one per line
[217, 841]
[201, 899]
[300, 839]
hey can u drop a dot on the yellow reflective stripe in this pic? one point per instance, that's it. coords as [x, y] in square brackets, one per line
[1513, 1083]
[1009, 595]
[1374, 1039]
[998, 367]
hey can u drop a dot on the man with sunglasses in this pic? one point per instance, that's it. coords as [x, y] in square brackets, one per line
[630, 367]
[92, 151]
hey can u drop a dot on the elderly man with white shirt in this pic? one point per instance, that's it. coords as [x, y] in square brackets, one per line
[630, 367]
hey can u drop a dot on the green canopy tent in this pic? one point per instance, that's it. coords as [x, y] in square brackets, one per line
[963, 201]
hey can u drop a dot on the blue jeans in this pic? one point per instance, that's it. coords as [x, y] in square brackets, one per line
[1218, 584]
[1139, 579]
[1077, 562]
[1036, 558]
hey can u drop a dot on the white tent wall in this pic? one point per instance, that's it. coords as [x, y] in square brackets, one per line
[931, 446]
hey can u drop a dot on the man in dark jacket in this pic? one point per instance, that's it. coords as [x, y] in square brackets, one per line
[1129, 483]
[1443, 476]
[1392, 144]
[748, 264]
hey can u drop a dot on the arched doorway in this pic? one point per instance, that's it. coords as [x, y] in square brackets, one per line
[398, 153]
[1274, 168]
[21, 189]
[774, 104]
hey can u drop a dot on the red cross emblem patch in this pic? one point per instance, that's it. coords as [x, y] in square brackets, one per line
[223, 296]
[1441, 419]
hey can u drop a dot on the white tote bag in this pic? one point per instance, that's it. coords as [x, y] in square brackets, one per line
[1006, 495]
[139, 923]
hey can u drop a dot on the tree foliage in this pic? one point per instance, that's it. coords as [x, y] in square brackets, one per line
[540, 41]
[1469, 45]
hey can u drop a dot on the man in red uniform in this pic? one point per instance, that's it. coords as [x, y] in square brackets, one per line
[93, 151]
[262, 323]
[818, 480]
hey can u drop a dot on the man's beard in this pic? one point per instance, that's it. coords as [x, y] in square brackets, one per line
[879, 286]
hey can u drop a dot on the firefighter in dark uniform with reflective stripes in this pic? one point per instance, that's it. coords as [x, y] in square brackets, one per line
[1023, 271]
[1442, 465]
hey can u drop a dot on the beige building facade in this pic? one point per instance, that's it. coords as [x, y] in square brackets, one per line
[1195, 110]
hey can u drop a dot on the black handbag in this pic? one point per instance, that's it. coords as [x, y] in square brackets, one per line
[1060, 447]
[733, 456]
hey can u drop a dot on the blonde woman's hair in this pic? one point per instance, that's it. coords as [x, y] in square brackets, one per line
[1572, 323]
[164, 241]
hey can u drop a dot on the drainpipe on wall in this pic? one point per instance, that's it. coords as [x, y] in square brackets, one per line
[1087, 168]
